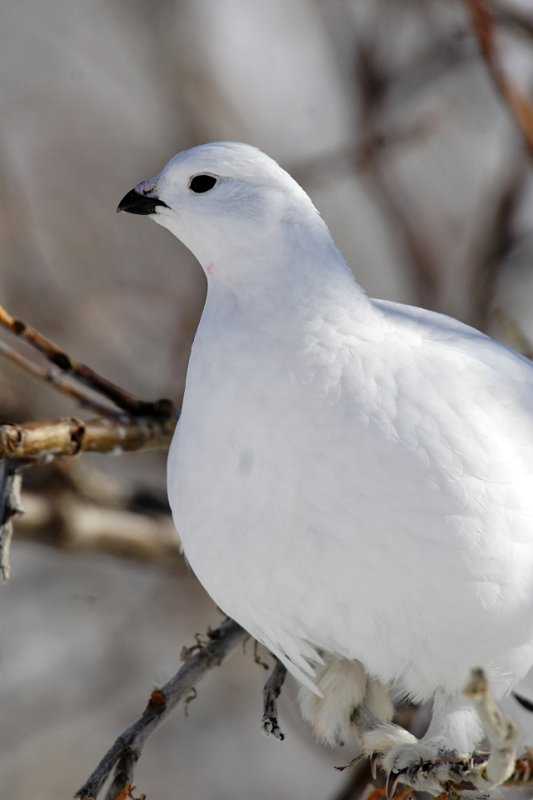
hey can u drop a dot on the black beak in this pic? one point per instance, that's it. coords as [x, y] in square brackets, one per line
[135, 203]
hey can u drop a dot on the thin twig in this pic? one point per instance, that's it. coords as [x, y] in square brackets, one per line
[55, 378]
[126, 750]
[66, 363]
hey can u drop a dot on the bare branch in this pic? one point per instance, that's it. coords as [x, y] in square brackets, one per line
[520, 106]
[69, 436]
[73, 525]
[66, 363]
[422, 258]
[10, 506]
[126, 750]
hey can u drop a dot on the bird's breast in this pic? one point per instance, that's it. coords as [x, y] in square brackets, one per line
[303, 480]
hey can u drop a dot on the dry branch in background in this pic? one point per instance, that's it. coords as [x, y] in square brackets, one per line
[328, 166]
[520, 106]
[66, 521]
[125, 752]
[374, 83]
[70, 505]
[493, 246]
[379, 83]
[136, 425]
[82, 373]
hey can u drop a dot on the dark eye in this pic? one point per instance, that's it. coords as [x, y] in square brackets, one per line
[202, 183]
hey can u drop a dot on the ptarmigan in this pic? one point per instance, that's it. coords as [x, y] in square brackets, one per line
[352, 479]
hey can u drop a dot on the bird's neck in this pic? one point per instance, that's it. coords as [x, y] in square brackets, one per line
[285, 275]
[295, 307]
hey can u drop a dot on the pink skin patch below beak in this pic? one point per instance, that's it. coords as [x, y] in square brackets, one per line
[209, 267]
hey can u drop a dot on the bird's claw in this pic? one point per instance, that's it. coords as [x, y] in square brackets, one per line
[374, 763]
[430, 775]
[391, 785]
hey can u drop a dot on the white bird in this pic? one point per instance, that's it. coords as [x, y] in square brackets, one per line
[352, 479]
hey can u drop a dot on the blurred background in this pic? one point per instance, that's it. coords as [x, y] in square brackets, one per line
[388, 116]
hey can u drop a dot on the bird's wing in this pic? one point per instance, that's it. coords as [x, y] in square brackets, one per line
[455, 386]
[430, 476]
[481, 362]
[438, 327]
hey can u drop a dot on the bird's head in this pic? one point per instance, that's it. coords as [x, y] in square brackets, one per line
[226, 202]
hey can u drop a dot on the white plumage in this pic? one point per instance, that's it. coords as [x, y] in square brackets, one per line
[352, 479]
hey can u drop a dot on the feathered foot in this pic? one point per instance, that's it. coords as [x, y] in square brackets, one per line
[428, 766]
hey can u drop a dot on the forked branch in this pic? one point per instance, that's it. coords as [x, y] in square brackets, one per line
[123, 755]
[131, 425]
